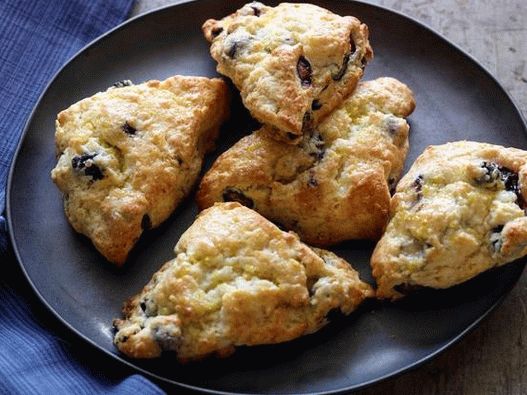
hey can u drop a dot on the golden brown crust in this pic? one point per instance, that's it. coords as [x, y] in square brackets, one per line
[332, 187]
[285, 59]
[129, 155]
[236, 280]
[458, 212]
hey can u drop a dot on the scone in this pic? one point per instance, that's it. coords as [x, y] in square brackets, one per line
[236, 280]
[293, 63]
[129, 155]
[334, 186]
[459, 211]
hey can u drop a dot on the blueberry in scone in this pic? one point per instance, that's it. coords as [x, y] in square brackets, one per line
[129, 155]
[293, 63]
[335, 185]
[459, 211]
[236, 280]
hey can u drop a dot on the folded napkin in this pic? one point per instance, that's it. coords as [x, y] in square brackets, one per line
[36, 38]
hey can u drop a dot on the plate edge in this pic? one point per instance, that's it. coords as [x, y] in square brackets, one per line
[178, 3]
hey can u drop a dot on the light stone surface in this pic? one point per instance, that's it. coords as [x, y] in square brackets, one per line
[493, 358]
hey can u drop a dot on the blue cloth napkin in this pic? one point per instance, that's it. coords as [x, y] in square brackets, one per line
[36, 38]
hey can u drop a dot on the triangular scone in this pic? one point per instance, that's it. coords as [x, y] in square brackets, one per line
[458, 212]
[237, 280]
[129, 155]
[293, 63]
[335, 185]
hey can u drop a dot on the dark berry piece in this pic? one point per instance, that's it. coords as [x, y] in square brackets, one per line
[316, 105]
[338, 76]
[128, 129]
[512, 183]
[231, 52]
[123, 83]
[165, 339]
[234, 46]
[494, 173]
[418, 186]
[146, 222]
[79, 162]
[256, 10]
[291, 136]
[303, 69]
[491, 175]
[312, 182]
[418, 183]
[216, 31]
[313, 145]
[84, 163]
[147, 307]
[235, 195]
[94, 172]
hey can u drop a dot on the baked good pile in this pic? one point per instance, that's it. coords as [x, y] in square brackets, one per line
[324, 167]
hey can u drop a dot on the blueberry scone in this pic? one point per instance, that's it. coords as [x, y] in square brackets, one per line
[335, 185]
[293, 63]
[129, 155]
[459, 211]
[236, 280]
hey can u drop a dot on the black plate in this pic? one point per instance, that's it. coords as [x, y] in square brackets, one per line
[456, 99]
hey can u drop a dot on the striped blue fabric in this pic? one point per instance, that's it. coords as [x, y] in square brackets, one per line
[36, 352]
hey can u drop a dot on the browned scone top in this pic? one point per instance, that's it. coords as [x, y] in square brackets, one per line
[128, 156]
[335, 185]
[237, 279]
[293, 63]
[459, 211]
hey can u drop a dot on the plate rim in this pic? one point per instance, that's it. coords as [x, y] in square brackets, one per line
[412, 366]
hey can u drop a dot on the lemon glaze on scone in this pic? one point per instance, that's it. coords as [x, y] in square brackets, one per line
[293, 63]
[236, 280]
[458, 212]
[335, 185]
[129, 155]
